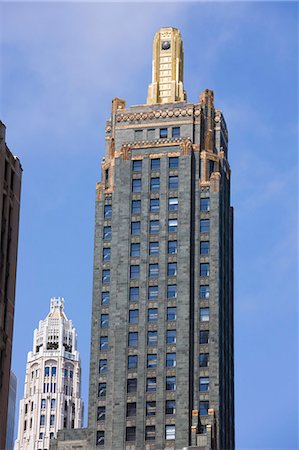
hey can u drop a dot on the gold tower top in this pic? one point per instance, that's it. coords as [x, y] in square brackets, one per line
[168, 68]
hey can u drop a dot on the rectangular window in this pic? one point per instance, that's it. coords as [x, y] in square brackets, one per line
[154, 226]
[152, 315]
[204, 336]
[105, 298]
[163, 133]
[173, 204]
[133, 315]
[47, 371]
[130, 434]
[204, 247]
[52, 420]
[170, 359]
[108, 211]
[136, 185]
[153, 270]
[136, 206]
[151, 134]
[104, 343]
[171, 313]
[134, 272]
[204, 384]
[203, 408]
[204, 270]
[106, 253]
[172, 291]
[176, 132]
[172, 269]
[155, 184]
[107, 233]
[42, 420]
[151, 384]
[135, 228]
[135, 249]
[101, 413]
[151, 361]
[102, 390]
[170, 407]
[204, 204]
[172, 225]
[153, 292]
[104, 320]
[204, 225]
[170, 383]
[132, 361]
[155, 164]
[203, 359]
[154, 205]
[138, 135]
[152, 337]
[103, 366]
[131, 409]
[150, 408]
[43, 404]
[170, 432]
[171, 337]
[100, 439]
[173, 182]
[134, 294]
[173, 162]
[132, 339]
[204, 314]
[154, 248]
[204, 291]
[131, 385]
[106, 276]
[137, 165]
[172, 247]
[150, 433]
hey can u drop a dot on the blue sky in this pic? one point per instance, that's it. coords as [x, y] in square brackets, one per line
[62, 63]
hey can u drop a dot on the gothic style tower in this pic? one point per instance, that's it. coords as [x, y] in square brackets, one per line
[52, 392]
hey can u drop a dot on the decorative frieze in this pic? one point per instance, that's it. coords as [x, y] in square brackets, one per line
[153, 115]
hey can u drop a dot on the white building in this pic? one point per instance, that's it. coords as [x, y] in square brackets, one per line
[52, 392]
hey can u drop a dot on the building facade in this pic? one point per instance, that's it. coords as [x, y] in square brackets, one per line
[10, 190]
[52, 392]
[10, 429]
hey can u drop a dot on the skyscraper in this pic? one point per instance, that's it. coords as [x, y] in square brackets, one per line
[161, 367]
[10, 191]
[10, 429]
[52, 392]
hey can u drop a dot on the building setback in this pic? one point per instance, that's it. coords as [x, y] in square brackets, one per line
[52, 391]
[10, 190]
[162, 367]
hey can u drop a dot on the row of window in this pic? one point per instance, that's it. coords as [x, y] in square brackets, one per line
[44, 402]
[173, 163]
[173, 183]
[150, 434]
[43, 420]
[151, 133]
[153, 268]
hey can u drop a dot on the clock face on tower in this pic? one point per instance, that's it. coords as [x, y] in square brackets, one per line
[165, 45]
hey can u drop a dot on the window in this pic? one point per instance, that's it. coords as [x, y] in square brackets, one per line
[204, 225]
[204, 336]
[135, 228]
[108, 211]
[51, 435]
[25, 425]
[172, 225]
[134, 294]
[204, 384]
[150, 433]
[132, 361]
[170, 359]
[172, 247]
[138, 135]
[172, 269]
[153, 292]
[133, 315]
[155, 184]
[154, 248]
[176, 132]
[137, 165]
[155, 164]
[154, 226]
[203, 408]
[131, 409]
[151, 360]
[204, 248]
[136, 206]
[153, 270]
[100, 439]
[152, 315]
[102, 390]
[170, 383]
[47, 371]
[42, 420]
[203, 359]
[134, 272]
[151, 134]
[65, 373]
[107, 233]
[171, 337]
[163, 133]
[53, 371]
[52, 420]
[205, 204]
[173, 161]
[171, 313]
[204, 314]
[105, 297]
[101, 413]
[135, 249]
[136, 185]
[41, 435]
[173, 204]
[106, 276]
[103, 366]
[151, 384]
[170, 407]
[43, 403]
[204, 269]
[154, 205]
[104, 343]
[132, 385]
[150, 408]
[172, 291]
[204, 291]
[133, 339]
[130, 434]
[152, 337]
[169, 432]
[104, 320]
[106, 253]
[53, 403]
[173, 182]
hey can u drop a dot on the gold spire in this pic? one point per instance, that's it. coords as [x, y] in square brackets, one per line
[168, 68]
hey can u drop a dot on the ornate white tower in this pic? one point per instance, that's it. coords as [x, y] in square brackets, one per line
[52, 392]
